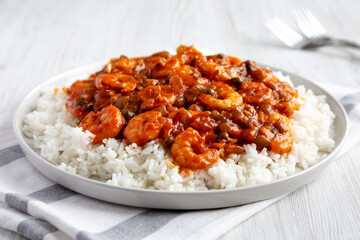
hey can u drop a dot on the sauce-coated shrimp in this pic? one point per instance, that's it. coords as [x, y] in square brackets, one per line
[81, 97]
[189, 54]
[105, 124]
[144, 128]
[126, 83]
[163, 70]
[203, 122]
[179, 121]
[283, 89]
[226, 99]
[189, 150]
[288, 107]
[217, 72]
[187, 75]
[256, 73]
[256, 93]
[85, 85]
[80, 104]
[125, 65]
[224, 60]
[156, 96]
[183, 115]
[287, 95]
[282, 141]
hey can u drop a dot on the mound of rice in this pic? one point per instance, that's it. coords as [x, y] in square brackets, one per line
[54, 135]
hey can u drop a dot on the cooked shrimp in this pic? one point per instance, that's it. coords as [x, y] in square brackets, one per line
[233, 60]
[144, 128]
[81, 97]
[125, 65]
[179, 120]
[156, 96]
[256, 73]
[282, 89]
[79, 103]
[227, 97]
[126, 83]
[217, 72]
[224, 60]
[164, 70]
[282, 141]
[187, 75]
[105, 124]
[189, 151]
[183, 115]
[102, 99]
[188, 54]
[288, 107]
[204, 122]
[85, 85]
[257, 93]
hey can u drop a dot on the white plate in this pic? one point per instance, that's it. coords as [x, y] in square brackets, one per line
[173, 199]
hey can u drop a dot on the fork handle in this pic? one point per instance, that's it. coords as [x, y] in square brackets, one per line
[341, 42]
[330, 42]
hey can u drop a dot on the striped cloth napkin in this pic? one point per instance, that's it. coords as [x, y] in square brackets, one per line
[37, 208]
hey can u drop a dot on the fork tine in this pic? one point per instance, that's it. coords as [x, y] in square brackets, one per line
[308, 24]
[302, 22]
[285, 33]
[282, 32]
[317, 25]
[279, 32]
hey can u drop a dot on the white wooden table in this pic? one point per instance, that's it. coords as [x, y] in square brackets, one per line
[39, 39]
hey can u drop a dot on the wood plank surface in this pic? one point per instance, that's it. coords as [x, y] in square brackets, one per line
[41, 38]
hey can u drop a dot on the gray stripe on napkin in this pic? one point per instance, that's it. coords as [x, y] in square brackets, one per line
[10, 154]
[52, 193]
[350, 101]
[136, 227]
[35, 229]
[17, 201]
[47, 195]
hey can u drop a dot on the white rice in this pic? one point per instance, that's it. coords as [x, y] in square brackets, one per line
[55, 136]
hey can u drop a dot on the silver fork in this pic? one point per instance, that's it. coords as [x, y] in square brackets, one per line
[314, 34]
